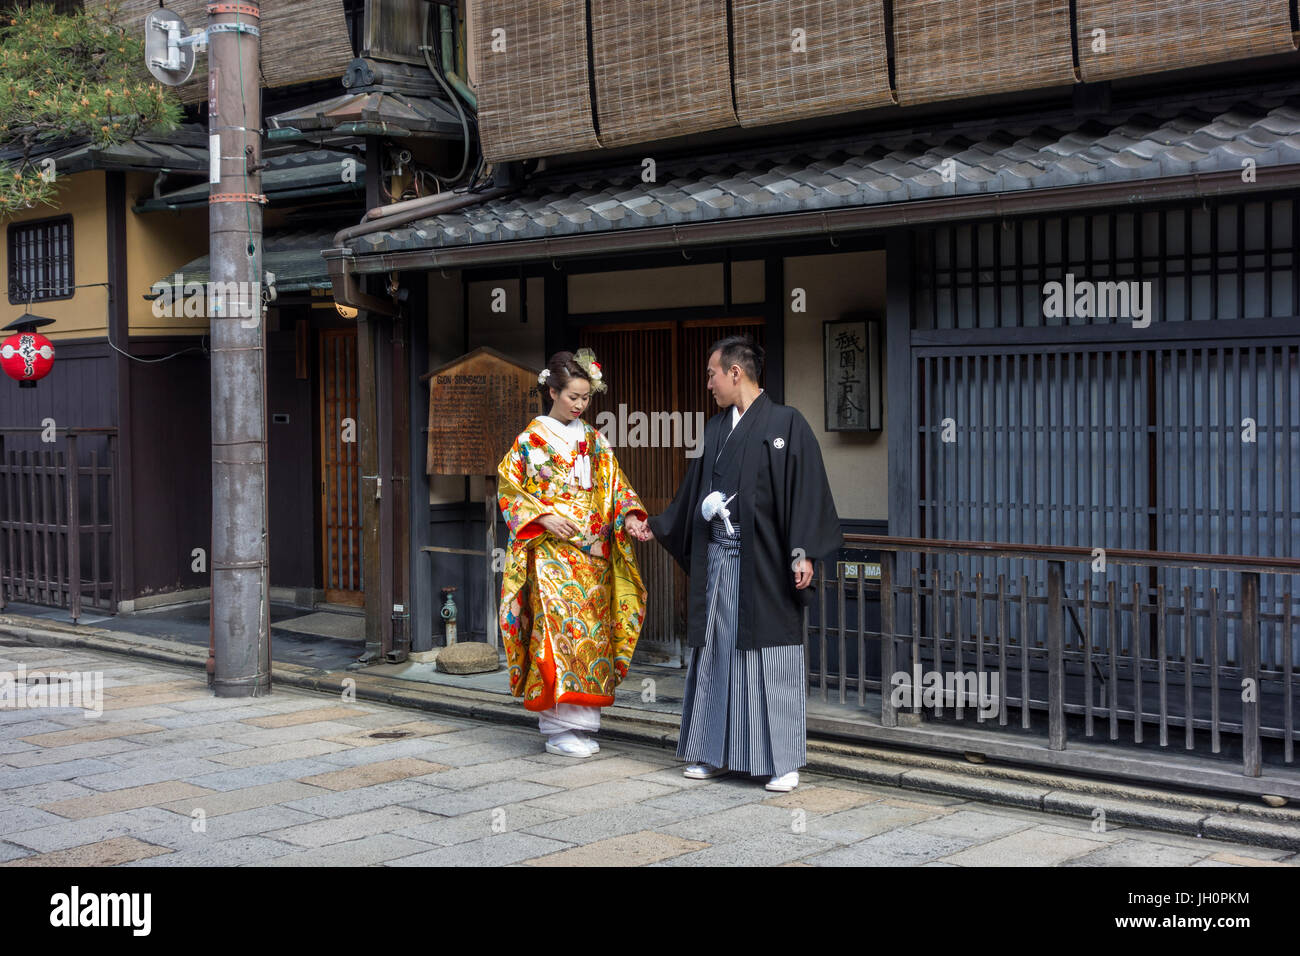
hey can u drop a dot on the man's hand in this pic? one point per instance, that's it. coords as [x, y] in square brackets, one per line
[638, 528]
[803, 573]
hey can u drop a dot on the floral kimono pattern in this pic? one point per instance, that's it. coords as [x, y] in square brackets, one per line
[571, 608]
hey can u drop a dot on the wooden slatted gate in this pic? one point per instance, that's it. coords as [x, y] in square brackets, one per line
[57, 542]
[340, 446]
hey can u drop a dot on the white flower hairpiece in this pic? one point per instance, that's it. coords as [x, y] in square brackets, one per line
[541, 379]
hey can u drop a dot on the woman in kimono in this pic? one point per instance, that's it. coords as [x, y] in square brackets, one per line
[572, 601]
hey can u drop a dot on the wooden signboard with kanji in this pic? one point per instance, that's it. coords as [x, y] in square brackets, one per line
[478, 405]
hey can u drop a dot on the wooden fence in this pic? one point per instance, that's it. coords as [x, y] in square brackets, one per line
[56, 518]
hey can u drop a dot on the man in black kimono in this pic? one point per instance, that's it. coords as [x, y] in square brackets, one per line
[753, 513]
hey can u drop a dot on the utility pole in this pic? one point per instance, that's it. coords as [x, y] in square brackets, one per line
[240, 566]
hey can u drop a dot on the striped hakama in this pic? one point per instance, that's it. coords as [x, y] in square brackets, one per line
[743, 709]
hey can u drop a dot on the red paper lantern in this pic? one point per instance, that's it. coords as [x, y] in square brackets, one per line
[27, 357]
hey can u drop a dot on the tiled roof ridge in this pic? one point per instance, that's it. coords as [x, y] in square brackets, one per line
[1143, 143]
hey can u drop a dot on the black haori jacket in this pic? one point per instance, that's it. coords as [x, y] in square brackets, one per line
[785, 503]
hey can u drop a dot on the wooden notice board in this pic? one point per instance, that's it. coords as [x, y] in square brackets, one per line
[478, 405]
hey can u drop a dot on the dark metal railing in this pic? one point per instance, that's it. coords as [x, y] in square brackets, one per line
[1070, 639]
[56, 518]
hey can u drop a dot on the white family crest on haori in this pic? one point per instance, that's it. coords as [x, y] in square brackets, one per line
[779, 443]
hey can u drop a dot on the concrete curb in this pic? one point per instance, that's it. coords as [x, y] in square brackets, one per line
[1199, 815]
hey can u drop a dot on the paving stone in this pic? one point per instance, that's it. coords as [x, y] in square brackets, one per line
[768, 850]
[66, 770]
[1035, 847]
[145, 774]
[556, 760]
[215, 804]
[973, 824]
[1138, 853]
[448, 831]
[116, 705]
[182, 835]
[10, 747]
[10, 852]
[601, 796]
[349, 827]
[153, 688]
[237, 852]
[366, 852]
[253, 756]
[307, 716]
[31, 725]
[672, 778]
[475, 775]
[1239, 859]
[100, 730]
[15, 819]
[244, 777]
[369, 774]
[486, 734]
[498, 849]
[715, 795]
[744, 822]
[485, 752]
[257, 737]
[208, 716]
[366, 728]
[103, 853]
[128, 798]
[144, 755]
[603, 824]
[1184, 840]
[327, 803]
[851, 826]
[40, 756]
[40, 793]
[392, 750]
[1267, 854]
[239, 708]
[821, 799]
[631, 849]
[149, 713]
[1081, 831]
[483, 798]
[584, 773]
[61, 836]
[905, 847]
[918, 798]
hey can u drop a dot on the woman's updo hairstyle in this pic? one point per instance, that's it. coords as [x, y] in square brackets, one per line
[564, 367]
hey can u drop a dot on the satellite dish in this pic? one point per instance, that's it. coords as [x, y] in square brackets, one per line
[168, 59]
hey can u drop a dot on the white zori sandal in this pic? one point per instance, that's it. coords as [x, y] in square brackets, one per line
[703, 771]
[784, 783]
[589, 741]
[567, 745]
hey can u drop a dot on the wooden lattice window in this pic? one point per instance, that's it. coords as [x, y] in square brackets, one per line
[40, 261]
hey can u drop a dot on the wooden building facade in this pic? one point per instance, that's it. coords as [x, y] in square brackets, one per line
[1143, 422]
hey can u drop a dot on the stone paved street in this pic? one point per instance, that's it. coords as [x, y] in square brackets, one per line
[171, 776]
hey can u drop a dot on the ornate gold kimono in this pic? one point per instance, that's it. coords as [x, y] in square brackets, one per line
[571, 609]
